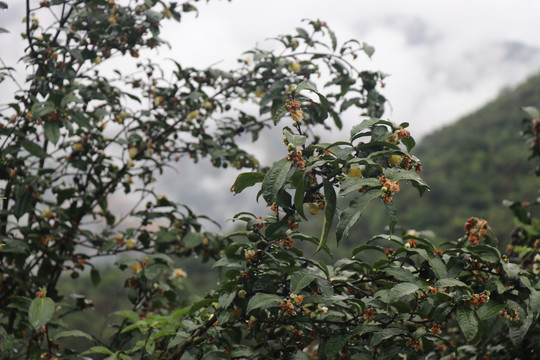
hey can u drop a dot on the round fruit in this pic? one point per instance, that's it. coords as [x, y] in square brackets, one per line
[394, 160]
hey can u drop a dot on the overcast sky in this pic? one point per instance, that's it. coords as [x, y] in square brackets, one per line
[445, 58]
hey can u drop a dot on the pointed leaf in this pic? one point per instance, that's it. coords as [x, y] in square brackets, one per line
[400, 290]
[335, 344]
[40, 312]
[275, 179]
[72, 333]
[263, 301]
[299, 196]
[350, 216]
[246, 180]
[52, 131]
[300, 279]
[467, 321]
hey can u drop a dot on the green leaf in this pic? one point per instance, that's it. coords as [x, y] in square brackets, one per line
[489, 309]
[98, 350]
[335, 344]
[450, 283]
[263, 301]
[192, 240]
[282, 110]
[350, 216]
[401, 290]
[299, 195]
[3, 5]
[40, 312]
[226, 299]
[246, 180]
[396, 174]
[296, 140]
[300, 279]
[467, 321]
[42, 108]
[52, 131]
[392, 215]
[72, 333]
[95, 277]
[437, 265]
[128, 314]
[354, 184]
[368, 49]
[333, 39]
[275, 179]
[2, 30]
[517, 333]
[69, 98]
[384, 334]
[365, 124]
[33, 148]
[306, 85]
[242, 351]
[531, 111]
[329, 212]
[23, 204]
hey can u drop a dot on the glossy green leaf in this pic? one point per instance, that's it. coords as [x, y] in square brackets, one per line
[72, 333]
[401, 290]
[98, 350]
[385, 334]
[33, 148]
[245, 180]
[226, 299]
[467, 321]
[354, 184]
[368, 49]
[263, 301]
[52, 131]
[23, 204]
[280, 112]
[42, 108]
[296, 140]
[335, 344]
[489, 309]
[350, 216]
[275, 179]
[300, 279]
[40, 312]
[299, 195]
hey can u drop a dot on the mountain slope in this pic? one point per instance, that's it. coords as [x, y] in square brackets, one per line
[471, 166]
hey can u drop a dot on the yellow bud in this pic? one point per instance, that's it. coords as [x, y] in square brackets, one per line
[130, 243]
[295, 67]
[133, 152]
[394, 160]
[167, 13]
[355, 171]
[192, 115]
[77, 147]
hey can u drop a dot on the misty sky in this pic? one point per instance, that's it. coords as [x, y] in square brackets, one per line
[445, 58]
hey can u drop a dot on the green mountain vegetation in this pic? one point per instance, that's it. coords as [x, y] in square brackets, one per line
[472, 166]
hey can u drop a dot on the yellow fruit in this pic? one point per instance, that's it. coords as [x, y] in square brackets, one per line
[259, 93]
[314, 209]
[295, 67]
[130, 243]
[394, 160]
[77, 147]
[207, 105]
[192, 115]
[355, 171]
[133, 153]
[167, 13]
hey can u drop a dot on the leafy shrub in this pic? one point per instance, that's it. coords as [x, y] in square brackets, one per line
[76, 137]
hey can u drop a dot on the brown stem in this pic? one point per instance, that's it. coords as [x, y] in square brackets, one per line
[177, 355]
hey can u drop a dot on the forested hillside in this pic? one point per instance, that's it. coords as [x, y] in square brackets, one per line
[471, 166]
